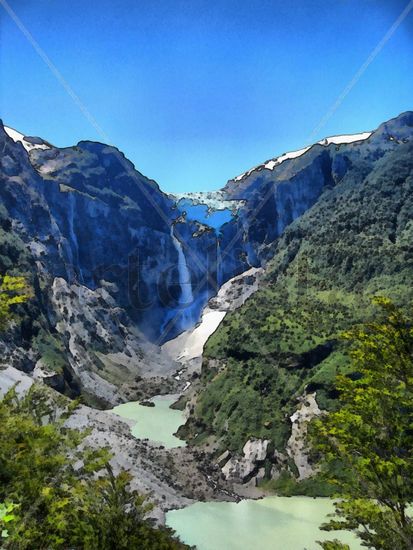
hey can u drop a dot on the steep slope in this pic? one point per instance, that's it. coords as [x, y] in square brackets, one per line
[73, 238]
[112, 261]
[276, 194]
[271, 358]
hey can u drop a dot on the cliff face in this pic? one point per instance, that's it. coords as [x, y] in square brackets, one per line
[283, 189]
[116, 267]
[105, 243]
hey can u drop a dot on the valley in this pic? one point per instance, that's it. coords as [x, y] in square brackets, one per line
[223, 310]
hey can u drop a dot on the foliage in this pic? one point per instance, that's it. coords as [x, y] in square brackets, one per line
[287, 485]
[353, 244]
[335, 545]
[372, 434]
[67, 494]
[51, 350]
[6, 516]
[13, 290]
[267, 355]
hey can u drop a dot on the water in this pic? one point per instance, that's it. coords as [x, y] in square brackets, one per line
[219, 264]
[186, 298]
[272, 523]
[184, 274]
[157, 423]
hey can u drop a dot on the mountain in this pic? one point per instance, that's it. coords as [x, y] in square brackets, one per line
[111, 260]
[117, 268]
[270, 366]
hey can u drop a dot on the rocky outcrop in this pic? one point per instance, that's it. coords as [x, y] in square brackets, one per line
[247, 466]
[297, 446]
[259, 460]
[13, 378]
[107, 353]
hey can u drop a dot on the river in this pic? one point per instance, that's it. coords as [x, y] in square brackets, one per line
[271, 523]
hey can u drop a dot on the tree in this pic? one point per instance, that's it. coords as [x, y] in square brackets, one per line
[67, 495]
[13, 290]
[372, 434]
[55, 492]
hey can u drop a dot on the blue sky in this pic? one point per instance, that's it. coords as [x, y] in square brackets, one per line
[195, 92]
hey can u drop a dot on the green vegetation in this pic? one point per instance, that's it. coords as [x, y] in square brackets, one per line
[13, 290]
[267, 356]
[55, 492]
[372, 435]
[65, 494]
[288, 486]
[352, 245]
[6, 516]
[51, 351]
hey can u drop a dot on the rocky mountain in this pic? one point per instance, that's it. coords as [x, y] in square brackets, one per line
[117, 267]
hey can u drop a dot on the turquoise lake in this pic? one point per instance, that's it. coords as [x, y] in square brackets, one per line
[157, 423]
[272, 523]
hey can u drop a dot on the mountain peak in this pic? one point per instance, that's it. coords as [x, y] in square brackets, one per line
[28, 142]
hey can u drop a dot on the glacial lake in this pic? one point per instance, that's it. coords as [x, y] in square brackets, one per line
[272, 523]
[157, 423]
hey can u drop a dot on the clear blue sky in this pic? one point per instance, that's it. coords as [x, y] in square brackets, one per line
[195, 92]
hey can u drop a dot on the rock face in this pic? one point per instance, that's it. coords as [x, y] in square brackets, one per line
[108, 353]
[277, 193]
[107, 254]
[251, 462]
[297, 447]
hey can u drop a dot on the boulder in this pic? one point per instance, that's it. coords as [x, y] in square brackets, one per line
[243, 468]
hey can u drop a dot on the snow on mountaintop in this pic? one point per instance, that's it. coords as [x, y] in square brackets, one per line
[28, 143]
[336, 140]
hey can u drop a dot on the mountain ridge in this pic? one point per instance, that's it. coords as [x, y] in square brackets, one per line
[89, 224]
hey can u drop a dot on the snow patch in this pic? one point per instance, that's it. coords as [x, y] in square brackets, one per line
[190, 344]
[28, 145]
[336, 140]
